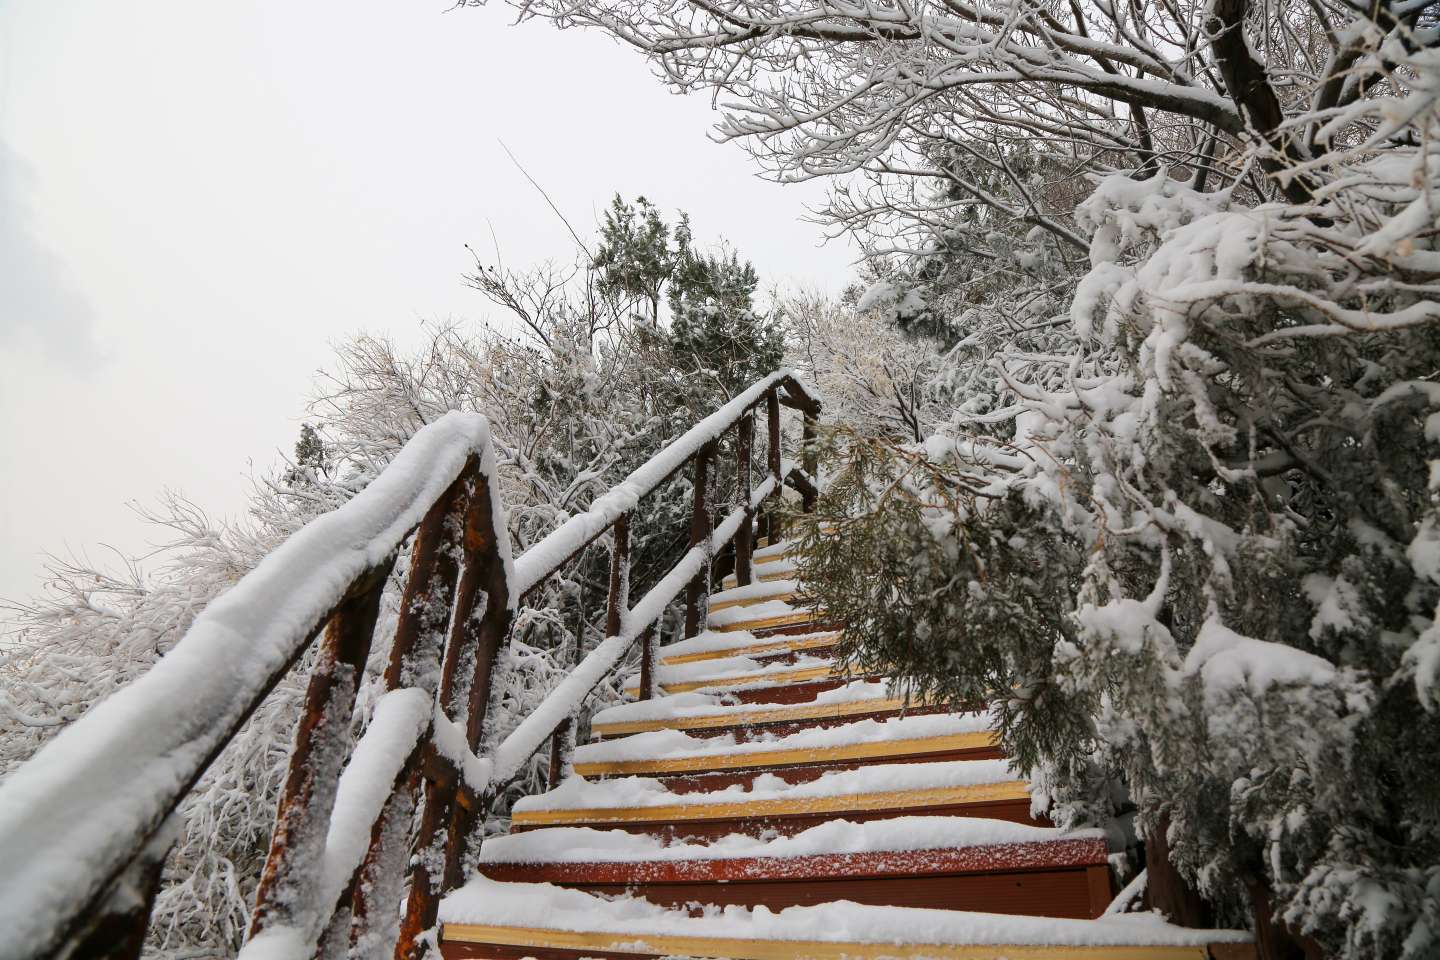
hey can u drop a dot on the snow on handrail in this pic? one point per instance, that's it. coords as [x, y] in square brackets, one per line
[547, 556]
[569, 693]
[143, 747]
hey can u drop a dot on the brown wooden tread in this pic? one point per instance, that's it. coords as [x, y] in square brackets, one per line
[982, 740]
[759, 576]
[770, 623]
[792, 714]
[771, 648]
[473, 942]
[727, 603]
[985, 859]
[778, 678]
[825, 807]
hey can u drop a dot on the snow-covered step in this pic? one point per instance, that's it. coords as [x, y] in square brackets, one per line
[776, 568]
[984, 788]
[764, 615]
[535, 918]
[768, 553]
[955, 863]
[733, 673]
[718, 713]
[754, 594]
[901, 738]
[713, 645]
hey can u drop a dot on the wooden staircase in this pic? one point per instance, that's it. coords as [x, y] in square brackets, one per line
[765, 779]
[752, 801]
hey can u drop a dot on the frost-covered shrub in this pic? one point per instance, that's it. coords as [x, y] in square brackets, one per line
[1231, 471]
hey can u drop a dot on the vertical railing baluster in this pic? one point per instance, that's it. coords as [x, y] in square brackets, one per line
[618, 600]
[810, 460]
[648, 643]
[697, 592]
[380, 883]
[302, 817]
[445, 824]
[744, 537]
[560, 749]
[415, 660]
[773, 527]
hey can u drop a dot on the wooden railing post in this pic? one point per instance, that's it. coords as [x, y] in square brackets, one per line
[618, 600]
[697, 593]
[302, 817]
[809, 459]
[744, 537]
[368, 927]
[448, 813]
[773, 528]
[560, 749]
[647, 663]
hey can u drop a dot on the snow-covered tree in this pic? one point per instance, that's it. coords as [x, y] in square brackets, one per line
[1183, 509]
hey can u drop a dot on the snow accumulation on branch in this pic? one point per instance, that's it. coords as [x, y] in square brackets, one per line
[545, 557]
[142, 748]
[571, 692]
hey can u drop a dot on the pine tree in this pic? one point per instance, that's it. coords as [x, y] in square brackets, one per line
[714, 327]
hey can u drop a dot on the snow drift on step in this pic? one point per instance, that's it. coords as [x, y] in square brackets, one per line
[548, 907]
[576, 793]
[714, 641]
[765, 610]
[669, 744]
[722, 670]
[754, 591]
[899, 834]
[680, 706]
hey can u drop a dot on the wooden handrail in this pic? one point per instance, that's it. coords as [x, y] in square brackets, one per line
[92, 804]
[69, 877]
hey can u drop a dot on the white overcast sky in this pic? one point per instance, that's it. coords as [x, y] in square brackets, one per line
[197, 199]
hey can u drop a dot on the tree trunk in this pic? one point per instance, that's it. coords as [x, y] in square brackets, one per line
[1274, 940]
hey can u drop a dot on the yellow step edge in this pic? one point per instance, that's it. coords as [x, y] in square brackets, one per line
[798, 806]
[745, 718]
[731, 582]
[738, 949]
[758, 649]
[765, 623]
[784, 758]
[793, 676]
[751, 601]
